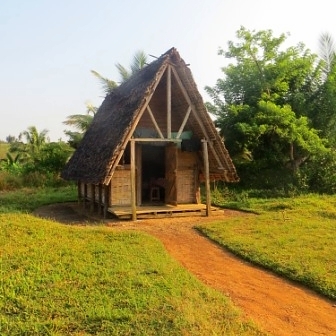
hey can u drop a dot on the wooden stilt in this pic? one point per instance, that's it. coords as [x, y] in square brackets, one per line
[133, 182]
[207, 177]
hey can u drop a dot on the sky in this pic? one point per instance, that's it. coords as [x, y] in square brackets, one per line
[48, 48]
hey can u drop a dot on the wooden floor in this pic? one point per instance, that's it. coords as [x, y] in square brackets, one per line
[160, 210]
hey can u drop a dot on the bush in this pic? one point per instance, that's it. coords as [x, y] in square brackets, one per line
[9, 181]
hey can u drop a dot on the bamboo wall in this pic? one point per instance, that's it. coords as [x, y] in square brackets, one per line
[119, 191]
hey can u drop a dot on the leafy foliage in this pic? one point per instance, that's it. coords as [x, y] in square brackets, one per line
[34, 161]
[265, 105]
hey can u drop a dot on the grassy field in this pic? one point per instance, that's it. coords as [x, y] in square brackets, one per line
[66, 280]
[294, 237]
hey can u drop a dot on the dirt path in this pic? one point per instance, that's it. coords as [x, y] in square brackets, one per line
[277, 306]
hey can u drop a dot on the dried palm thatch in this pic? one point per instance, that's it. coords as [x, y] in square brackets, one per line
[98, 154]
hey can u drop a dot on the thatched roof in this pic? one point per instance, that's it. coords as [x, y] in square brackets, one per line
[98, 154]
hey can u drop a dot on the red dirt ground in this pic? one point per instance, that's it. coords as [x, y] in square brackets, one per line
[277, 306]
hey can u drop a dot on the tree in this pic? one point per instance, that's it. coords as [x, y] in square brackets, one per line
[323, 105]
[139, 61]
[10, 139]
[262, 103]
[30, 142]
[327, 49]
[81, 122]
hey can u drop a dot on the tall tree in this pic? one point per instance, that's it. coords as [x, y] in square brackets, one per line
[261, 103]
[323, 107]
[139, 61]
[33, 140]
[81, 122]
[327, 51]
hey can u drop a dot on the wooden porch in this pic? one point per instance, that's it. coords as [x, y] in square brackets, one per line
[162, 210]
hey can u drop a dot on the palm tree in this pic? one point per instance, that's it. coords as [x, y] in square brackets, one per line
[34, 139]
[108, 85]
[82, 121]
[327, 51]
[139, 62]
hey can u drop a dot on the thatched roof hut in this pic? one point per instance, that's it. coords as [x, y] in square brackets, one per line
[158, 108]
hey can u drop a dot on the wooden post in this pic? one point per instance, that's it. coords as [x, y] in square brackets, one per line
[79, 194]
[85, 195]
[207, 178]
[106, 199]
[100, 199]
[92, 201]
[169, 102]
[133, 184]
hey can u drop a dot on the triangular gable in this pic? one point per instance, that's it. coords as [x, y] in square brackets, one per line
[165, 94]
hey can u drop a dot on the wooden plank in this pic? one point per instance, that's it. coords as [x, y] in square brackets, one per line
[157, 140]
[166, 208]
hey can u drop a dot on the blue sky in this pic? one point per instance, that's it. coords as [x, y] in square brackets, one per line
[49, 47]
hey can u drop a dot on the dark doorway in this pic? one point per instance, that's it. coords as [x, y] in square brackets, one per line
[153, 174]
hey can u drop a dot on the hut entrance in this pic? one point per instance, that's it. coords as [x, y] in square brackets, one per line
[153, 174]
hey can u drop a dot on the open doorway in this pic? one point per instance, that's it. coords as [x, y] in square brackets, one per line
[153, 174]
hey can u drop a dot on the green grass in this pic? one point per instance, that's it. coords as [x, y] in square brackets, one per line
[91, 280]
[27, 200]
[294, 237]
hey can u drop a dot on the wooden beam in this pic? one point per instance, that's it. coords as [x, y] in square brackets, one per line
[154, 122]
[133, 183]
[199, 121]
[183, 122]
[207, 178]
[134, 124]
[169, 101]
[156, 140]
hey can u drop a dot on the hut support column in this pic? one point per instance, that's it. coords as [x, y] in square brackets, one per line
[207, 178]
[85, 195]
[100, 199]
[92, 200]
[133, 184]
[79, 196]
[106, 199]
